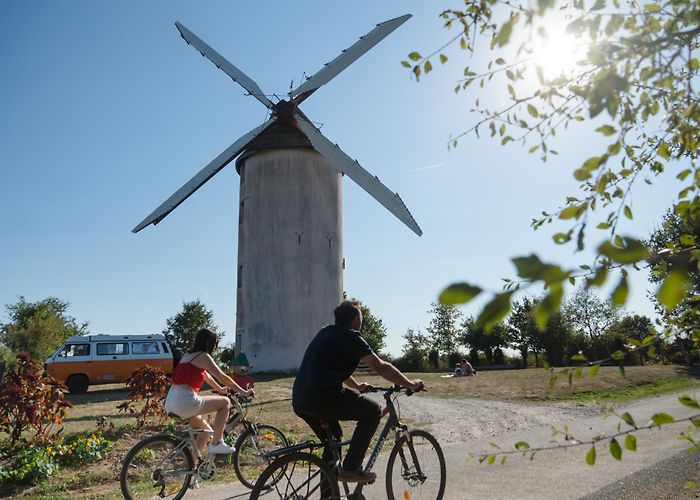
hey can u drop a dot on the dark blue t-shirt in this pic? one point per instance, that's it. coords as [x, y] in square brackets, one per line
[332, 356]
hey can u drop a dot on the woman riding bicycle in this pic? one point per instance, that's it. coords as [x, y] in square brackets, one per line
[196, 367]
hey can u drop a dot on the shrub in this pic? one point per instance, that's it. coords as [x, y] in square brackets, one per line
[29, 400]
[79, 450]
[147, 384]
[27, 464]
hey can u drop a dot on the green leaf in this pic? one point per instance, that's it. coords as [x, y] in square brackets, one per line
[663, 150]
[689, 402]
[506, 29]
[491, 459]
[548, 306]
[628, 212]
[615, 449]
[405, 64]
[522, 445]
[414, 56]
[458, 293]
[630, 251]
[493, 312]
[619, 295]
[631, 442]
[553, 381]
[500, 61]
[618, 355]
[593, 370]
[462, 43]
[443, 58]
[628, 419]
[673, 289]
[599, 279]
[590, 456]
[662, 418]
[532, 110]
[427, 67]
[652, 7]
[606, 130]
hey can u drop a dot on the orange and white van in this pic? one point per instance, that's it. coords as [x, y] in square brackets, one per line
[107, 359]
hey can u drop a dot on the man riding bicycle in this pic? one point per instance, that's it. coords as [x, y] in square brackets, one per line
[319, 394]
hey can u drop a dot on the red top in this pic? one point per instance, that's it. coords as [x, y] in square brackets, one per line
[188, 374]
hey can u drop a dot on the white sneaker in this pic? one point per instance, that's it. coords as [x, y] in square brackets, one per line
[220, 448]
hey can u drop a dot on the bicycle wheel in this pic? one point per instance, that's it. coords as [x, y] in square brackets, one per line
[157, 467]
[254, 441]
[416, 468]
[297, 476]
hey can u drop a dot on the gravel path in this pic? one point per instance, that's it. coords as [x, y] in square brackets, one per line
[459, 420]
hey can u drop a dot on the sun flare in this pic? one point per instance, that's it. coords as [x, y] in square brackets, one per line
[557, 53]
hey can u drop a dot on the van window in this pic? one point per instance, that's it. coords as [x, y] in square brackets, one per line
[74, 350]
[144, 348]
[165, 347]
[112, 349]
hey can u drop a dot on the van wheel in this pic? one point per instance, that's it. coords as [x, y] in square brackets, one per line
[77, 384]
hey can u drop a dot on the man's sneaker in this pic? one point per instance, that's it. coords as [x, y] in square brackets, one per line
[220, 448]
[356, 476]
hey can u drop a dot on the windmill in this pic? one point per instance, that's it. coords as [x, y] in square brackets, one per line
[290, 264]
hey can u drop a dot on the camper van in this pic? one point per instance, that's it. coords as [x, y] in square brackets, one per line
[106, 359]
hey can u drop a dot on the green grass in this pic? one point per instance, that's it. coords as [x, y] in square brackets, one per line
[623, 394]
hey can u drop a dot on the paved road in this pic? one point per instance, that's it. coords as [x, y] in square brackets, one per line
[658, 469]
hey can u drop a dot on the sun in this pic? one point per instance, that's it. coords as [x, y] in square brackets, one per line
[556, 52]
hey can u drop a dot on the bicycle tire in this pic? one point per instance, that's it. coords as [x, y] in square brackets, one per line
[247, 464]
[406, 482]
[305, 468]
[140, 476]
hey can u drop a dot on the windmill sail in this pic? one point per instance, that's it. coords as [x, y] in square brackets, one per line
[346, 165]
[346, 58]
[202, 177]
[220, 62]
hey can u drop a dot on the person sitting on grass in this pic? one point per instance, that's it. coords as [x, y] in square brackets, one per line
[467, 369]
[458, 370]
[196, 367]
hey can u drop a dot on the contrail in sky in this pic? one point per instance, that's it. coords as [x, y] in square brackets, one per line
[424, 168]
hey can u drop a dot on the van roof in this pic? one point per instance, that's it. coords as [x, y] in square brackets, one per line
[114, 338]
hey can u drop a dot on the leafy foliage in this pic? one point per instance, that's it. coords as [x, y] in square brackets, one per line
[148, 385]
[443, 330]
[39, 328]
[373, 329]
[30, 401]
[635, 76]
[182, 328]
[32, 463]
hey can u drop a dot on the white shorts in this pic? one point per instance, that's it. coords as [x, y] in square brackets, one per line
[183, 401]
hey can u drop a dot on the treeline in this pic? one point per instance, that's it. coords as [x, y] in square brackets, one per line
[586, 327]
[39, 328]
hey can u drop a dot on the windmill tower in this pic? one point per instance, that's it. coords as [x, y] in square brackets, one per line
[290, 264]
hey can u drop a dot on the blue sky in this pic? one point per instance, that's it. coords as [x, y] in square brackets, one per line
[106, 111]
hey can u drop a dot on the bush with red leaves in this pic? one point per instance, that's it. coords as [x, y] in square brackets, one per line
[147, 384]
[30, 401]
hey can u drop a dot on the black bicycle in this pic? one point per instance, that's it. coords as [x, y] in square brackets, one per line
[415, 469]
[166, 465]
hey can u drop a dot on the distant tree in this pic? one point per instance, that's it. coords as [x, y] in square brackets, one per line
[414, 351]
[39, 328]
[633, 327]
[182, 328]
[557, 339]
[443, 330]
[524, 335]
[589, 314]
[226, 355]
[373, 329]
[477, 339]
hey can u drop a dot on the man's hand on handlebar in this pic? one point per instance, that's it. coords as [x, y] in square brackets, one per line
[417, 385]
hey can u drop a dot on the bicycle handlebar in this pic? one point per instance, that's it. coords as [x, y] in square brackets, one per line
[395, 388]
